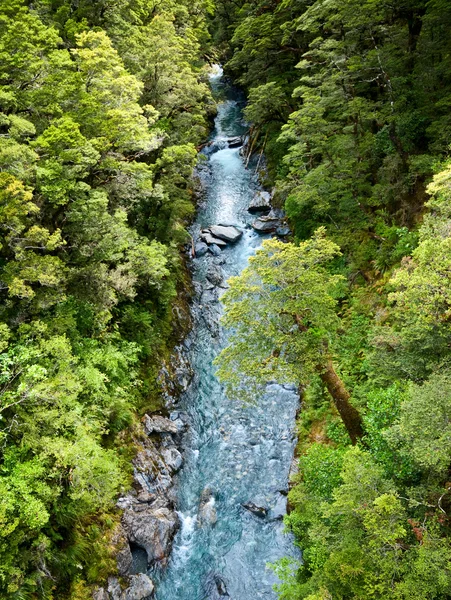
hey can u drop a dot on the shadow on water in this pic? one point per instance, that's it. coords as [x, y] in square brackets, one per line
[234, 454]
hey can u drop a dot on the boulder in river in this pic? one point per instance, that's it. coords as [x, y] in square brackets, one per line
[258, 511]
[261, 202]
[235, 142]
[283, 231]
[207, 511]
[229, 233]
[211, 240]
[151, 529]
[266, 224]
[215, 250]
[200, 249]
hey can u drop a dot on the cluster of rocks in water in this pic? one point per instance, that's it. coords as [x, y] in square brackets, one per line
[215, 238]
[149, 520]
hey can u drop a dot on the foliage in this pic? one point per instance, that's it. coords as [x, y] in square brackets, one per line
[350, 101]
[101, 107]
[281, 309]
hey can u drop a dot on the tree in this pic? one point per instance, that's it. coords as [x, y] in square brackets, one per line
[281, 310]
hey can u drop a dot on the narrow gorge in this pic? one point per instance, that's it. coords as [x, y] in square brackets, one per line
[234, 455]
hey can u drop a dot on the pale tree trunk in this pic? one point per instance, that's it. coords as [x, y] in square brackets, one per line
[349, 415]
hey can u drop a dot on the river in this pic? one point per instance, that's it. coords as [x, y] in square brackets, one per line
[234, 454]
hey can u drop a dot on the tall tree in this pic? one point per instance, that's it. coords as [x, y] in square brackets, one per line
[281, 310]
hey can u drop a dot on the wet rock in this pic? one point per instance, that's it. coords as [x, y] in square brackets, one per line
[207, 512]
[221, 587]
[260, 203]
[229, 234]
[215, 275]
[141, 587]
[277, 213]
[216, 588]
[279, 510]
[180, 420]
[211, 240]
[200, 249]
[235, 142]
[157, 424]
[258, 511]
[266, 224]
[172, 458]
[101, 594]
[153, 530]
[215, 250]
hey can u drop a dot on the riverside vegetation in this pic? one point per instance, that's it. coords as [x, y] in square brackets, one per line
[350, 100]
[102, 105]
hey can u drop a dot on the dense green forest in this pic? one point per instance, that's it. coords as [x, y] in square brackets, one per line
[102, 107]
[351, 101]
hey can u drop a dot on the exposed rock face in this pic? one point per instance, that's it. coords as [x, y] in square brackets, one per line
[175, 376]
[140, 587]
[149, 520]
[172, 458]
[152, 529]
[101, 594]
[157, 424]
[271, 223]
[283, 231]
[260, 203]
[124, 559]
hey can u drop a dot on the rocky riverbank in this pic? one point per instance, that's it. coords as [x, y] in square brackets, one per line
[149, 520]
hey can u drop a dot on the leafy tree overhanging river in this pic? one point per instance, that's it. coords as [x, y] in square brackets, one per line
[234, 454]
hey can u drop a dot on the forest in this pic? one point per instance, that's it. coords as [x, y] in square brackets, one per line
[103, 107]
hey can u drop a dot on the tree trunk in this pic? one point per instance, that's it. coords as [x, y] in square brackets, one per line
[349, 415]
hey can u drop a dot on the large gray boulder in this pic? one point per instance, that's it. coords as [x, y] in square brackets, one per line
[235, 142]
[210, 240]
[141, 587]
[266, 224]
[157, 424]
[152, 529]
[229, 234]
[200, 249]
[261, 202]
[172, 458]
